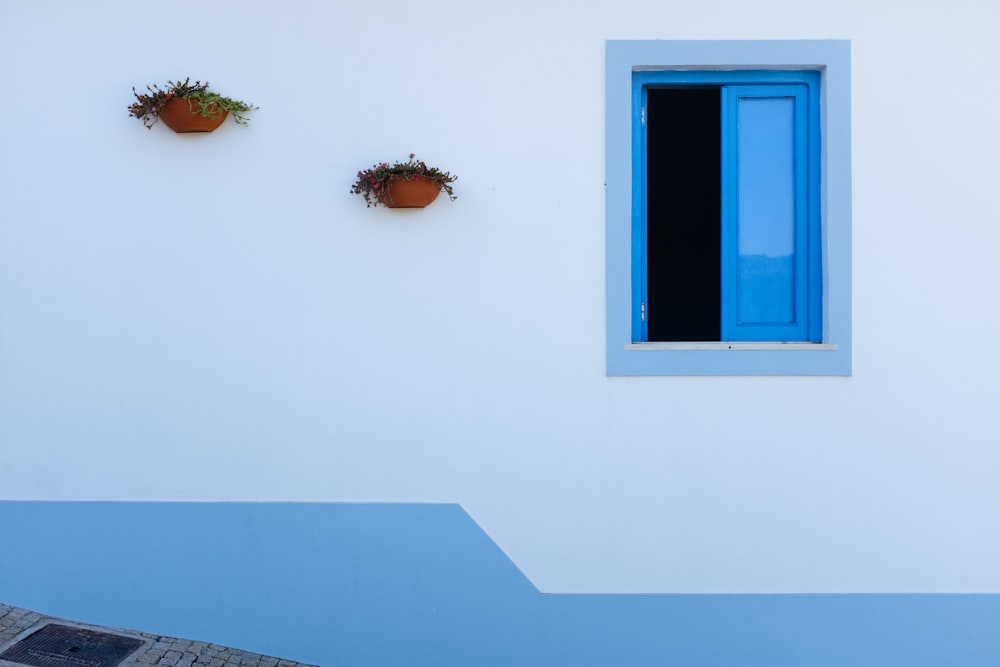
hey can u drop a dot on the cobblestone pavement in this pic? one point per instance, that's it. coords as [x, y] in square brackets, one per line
[158, 651]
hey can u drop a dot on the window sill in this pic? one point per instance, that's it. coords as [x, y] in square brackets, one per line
[735, 346]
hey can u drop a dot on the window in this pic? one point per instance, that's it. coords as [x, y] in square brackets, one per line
[728, 208]
[727, 227]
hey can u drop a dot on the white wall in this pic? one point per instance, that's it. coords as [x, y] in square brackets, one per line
[215, 318]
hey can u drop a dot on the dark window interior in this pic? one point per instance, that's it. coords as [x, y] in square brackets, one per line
[683, 216]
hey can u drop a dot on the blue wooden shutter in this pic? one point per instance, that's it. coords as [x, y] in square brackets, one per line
[767, 207]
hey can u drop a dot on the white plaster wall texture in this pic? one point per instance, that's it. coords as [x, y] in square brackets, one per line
[216, 318]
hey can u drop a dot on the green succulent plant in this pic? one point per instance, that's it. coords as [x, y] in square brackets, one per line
[148, 105]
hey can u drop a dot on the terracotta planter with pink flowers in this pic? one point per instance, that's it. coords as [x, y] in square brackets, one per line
[410, 184]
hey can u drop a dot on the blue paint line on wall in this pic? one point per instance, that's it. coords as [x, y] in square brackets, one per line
[374, 584]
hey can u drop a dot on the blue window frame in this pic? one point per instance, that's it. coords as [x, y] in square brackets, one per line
[778, 279]
[768, 201]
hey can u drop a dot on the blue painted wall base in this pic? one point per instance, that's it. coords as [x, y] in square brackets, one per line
[382, 585]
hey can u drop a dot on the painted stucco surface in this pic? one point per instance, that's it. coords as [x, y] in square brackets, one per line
[215, 318]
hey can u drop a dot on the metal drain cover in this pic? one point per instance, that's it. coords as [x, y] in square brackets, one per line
[65, 646]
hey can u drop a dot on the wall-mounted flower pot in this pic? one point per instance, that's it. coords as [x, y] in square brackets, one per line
[410, 194]
[178, 115]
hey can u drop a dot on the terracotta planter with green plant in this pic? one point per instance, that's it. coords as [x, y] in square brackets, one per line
[410, 184]
[186, 107]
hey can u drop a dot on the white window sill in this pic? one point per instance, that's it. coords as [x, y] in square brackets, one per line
[718, 346]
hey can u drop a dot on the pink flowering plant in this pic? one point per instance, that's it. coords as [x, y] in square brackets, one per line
[372, 183]
[148, 105]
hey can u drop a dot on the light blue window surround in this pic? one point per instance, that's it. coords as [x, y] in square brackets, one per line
[791, 94]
